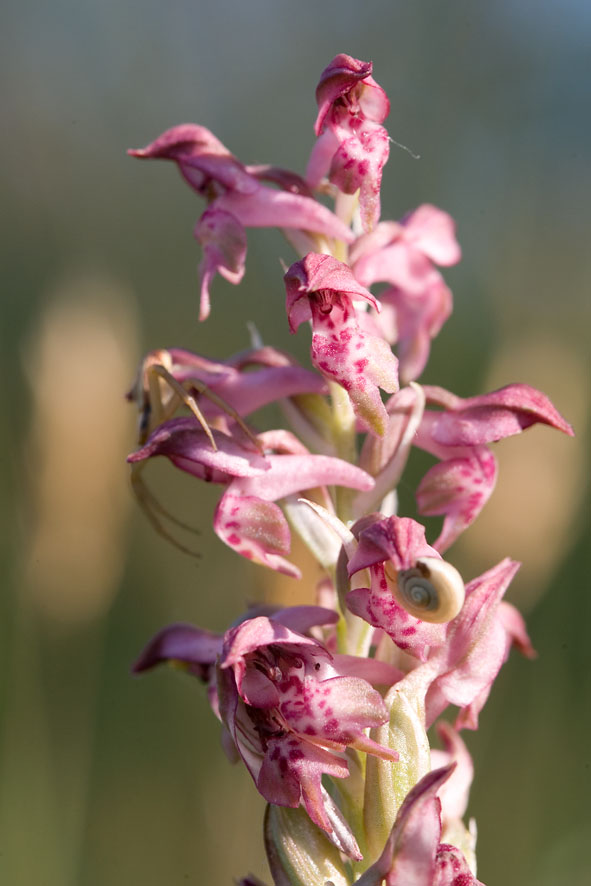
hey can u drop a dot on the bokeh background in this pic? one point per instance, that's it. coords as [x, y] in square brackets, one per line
[107, 780]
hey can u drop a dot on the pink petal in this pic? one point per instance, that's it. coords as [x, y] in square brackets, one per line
[282, 442]
[257, 690]
[180, 642]
[384, 234]
[255, 529]
[400, 265]
[338, 79]
[248, 391]
[457, 488]
[302, 618]
[186, 445]
[514, 625]
[285, 178]
[239, 726]
[378, 673]
[417, 320]
[321, 156]
[399, 539]
[476, 644]
[494, 416]
[289, 474]
[200, 156]
[341, 77]
[270, 208]
[224, 251]
[334, 712]
[324, 277]
[292, 770]
[433, 232]
[362, 364]
[358, 165]
[252, 634]
[410, 852]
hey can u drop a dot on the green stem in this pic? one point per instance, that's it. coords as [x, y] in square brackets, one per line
[344, 437]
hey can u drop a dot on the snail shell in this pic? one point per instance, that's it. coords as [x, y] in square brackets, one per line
[432, 590]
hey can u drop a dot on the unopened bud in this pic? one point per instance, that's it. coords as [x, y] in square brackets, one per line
[298, 852]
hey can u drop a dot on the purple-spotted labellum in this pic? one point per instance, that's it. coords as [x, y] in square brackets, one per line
[324, 290]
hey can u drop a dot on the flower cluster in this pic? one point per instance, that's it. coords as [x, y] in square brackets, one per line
[328, 706]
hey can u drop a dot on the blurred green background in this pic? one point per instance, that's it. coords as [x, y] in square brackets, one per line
[107, 780]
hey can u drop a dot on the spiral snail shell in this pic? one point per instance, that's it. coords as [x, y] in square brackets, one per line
[432, 590]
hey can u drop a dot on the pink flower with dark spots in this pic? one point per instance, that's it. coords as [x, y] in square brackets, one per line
[352, 146]
[292, 713]
[347, 89]
[413, 592]
[290, 707]
[321, 289]
[457, 488]
[457, 433]
[461, 484]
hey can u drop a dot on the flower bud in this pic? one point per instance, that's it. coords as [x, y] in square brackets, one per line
[387, 783]
[299, 854]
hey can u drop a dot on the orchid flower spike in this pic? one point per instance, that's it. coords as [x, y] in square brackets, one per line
[329, 706]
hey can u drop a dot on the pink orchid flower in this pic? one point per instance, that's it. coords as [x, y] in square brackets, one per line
[197, 650]
[292, 714]
[458, 434]
[417, 302]
[413, 591]
[463, 653]
[413, 853]
[461, 484]
[247, 518]
[289, 706]
[321, 289]
[352, 146]
[236, 200]
[461, 667]
[240, 385]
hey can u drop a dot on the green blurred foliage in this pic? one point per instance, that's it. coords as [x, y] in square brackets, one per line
[108, 779]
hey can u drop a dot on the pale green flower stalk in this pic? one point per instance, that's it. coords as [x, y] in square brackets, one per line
[328, 706]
